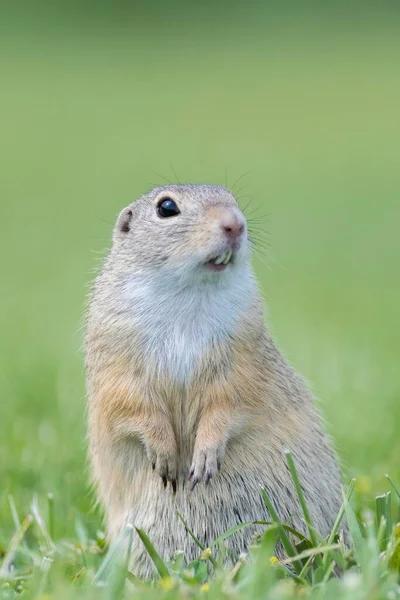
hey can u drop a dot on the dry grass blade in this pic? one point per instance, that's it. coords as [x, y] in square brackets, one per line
[309, 553]
[16, 540]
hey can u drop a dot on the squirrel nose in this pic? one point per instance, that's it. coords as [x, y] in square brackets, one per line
[232, 225]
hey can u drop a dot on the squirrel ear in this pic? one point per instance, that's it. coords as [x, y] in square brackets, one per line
[124, 220]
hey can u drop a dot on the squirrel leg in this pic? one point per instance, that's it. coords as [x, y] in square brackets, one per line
[156, 434]
[211, 439]
[158, 438]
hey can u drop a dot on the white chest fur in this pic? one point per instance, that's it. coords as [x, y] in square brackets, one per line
[178, 324]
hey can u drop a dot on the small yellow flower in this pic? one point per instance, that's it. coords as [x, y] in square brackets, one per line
[167, 584]
[205, 555]
[205, 587]
[273, 560]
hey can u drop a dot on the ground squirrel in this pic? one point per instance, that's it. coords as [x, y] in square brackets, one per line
[191, 405]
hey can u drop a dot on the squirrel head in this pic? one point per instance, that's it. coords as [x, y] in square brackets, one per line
[196, 233]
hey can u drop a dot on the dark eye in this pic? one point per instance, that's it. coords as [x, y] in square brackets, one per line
[167, 208]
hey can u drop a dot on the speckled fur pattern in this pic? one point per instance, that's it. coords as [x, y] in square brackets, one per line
[182, 376]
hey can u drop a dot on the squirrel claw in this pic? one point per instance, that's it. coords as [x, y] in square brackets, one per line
[194, 482]
[164, 466]
[206, 464]
[208, 477]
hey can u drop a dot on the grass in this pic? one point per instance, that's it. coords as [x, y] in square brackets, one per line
[38, 565]
[95, 109]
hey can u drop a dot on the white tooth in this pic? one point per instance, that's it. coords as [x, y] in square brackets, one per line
[219, 259]
[227, 257]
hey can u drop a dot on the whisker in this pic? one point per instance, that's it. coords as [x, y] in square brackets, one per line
[100, 253]
[239, 179]
[257, 235]
[265, 263]
[245, 207]
[262, 233]
[244, 197]
[247, 185]
[261, 227]
[261, 243]
[260, 218]
[163, 177]
[257, 245]
[255, 210]
[174, 172]
[260, 252]
[258, 230]
[105, 221]
[265, 249]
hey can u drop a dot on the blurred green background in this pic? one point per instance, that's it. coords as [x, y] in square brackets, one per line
[101, 101]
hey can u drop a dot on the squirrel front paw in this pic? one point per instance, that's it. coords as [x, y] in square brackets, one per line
[206, 464]
[164, 463]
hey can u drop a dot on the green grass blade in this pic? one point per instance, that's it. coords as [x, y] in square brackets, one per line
[287, 528]
[113, 555]
[302, 500]
[381, 534]
[190, 532]
[261, 578]
[306, 568]
[129, 546]
[338, 520]
[16, 540]
[17, 525]
[380, 507]
[389, 526]
[328, 571]
[197, 541]
[133, 579]
[229, 532]
[41, 524]
[311, 552]
[14, 512]
[341, 512]
[354, 528]
[152, 552]
[50, 507]
[290, 551]
[396, 489]
[240, 526]
[384, 514]
[371, 551]
[120, 572]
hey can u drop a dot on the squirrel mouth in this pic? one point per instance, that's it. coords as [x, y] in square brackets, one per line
[220, 262]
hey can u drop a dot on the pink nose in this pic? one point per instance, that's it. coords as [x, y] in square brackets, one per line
[232, 225]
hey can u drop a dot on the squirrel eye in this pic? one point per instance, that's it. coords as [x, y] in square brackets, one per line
[167, 208]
